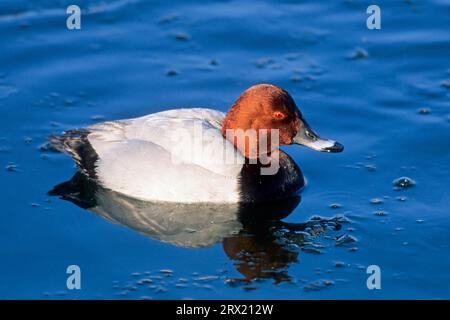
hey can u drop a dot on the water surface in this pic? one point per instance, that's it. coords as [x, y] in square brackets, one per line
[383, 93]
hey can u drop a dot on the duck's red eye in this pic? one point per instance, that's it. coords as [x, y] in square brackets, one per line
[278, 115]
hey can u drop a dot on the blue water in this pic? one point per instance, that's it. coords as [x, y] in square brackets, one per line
[361, 87]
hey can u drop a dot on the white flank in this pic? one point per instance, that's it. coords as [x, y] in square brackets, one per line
[148, 157]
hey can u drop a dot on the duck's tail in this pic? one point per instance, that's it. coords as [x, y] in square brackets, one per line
[76, 144]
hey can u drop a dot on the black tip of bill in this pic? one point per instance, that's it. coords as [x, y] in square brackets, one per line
[336, 147]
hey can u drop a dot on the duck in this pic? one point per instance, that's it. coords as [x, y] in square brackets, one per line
[200, 155]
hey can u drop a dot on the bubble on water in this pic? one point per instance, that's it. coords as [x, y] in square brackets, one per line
[296, 78]
[135, 274]
[182, 36]
[445, 84]
[28, 140]
[131, 287]
[264, 62]
[293, 56]
[312, 250]
[69, 102]
[380, 213]
[352, 166]
[144, 281]
[47, 147]
[206, 278]
[166, 271]
[399, 229]
[359, 53]
[424, 111]
[214, 62]
[345, 239]
[205, 286]
[420, 221]
[403, 183]
[12, 167]
[171, 73]
[168, 19]
[335, 206]
[4, 149]
[339, 264]
[233, 282]
[402, 199]
[376, 201]
[353, 249]
[34, 204]
[276, 66]
[371, 156]
[160, 289]
[318, 285]
[123, 293]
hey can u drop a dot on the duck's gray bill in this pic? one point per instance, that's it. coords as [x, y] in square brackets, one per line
[307, 137]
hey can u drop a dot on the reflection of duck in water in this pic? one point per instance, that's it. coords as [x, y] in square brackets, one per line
[200, 155]
[258, 255]
[259, 248]
[186, 225]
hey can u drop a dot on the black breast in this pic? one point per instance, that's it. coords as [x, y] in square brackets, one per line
[256, 187]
